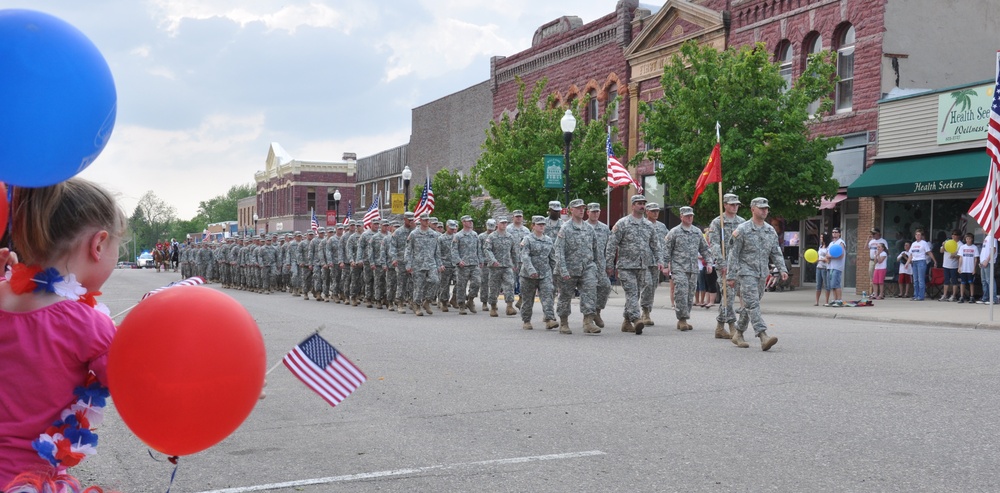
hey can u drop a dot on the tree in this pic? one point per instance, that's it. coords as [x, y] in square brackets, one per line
[511, 166]
[151, 220]
[453, 197]
[767, 149]
[223, 207]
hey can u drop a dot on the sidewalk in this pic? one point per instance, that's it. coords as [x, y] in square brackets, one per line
[897, 310]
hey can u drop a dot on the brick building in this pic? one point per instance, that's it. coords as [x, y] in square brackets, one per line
[289, 190]
[380, 174]
[577, 60]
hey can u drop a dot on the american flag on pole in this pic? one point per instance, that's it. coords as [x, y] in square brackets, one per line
[986, 209]
[617, 174]
[426, 200]
[313, 223]
[373, 211]
[191, 281]
[324, 369]
[350, 212]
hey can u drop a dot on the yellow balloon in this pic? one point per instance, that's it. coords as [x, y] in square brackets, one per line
[811, 256]
[951, 246]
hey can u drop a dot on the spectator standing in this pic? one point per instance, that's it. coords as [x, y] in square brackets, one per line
[986, 253]
[950, 263]
[967, 254]
[905, 271]
[878, 275]
[919, 255]
[874, 240]
[822, 265]
[835, 269]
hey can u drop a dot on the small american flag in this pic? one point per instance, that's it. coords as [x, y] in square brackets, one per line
[350, 211]
[191, 281]
[986, 209]
[426, 200]
[314, 224]
[617, 174]
[324, 369]
[373, 211]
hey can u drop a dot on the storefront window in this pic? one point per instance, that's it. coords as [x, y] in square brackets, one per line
[900, 220]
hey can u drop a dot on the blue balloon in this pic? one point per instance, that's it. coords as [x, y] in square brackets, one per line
[836, 251]
[57, 99]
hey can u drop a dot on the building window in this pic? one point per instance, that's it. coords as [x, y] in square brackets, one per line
[399, 184]
[591, 106]
[329, 199]
[387, 192]
[813, 44]
[784, 57]
[364, 188]
[311, 198]
[845, 70]
[613, 104]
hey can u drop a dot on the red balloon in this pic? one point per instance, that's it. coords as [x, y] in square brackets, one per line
[4, 209]
[186, 368]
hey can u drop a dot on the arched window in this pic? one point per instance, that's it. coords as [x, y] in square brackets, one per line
[845, 70]
[813, 44]
[591, 105]
[785, 57]
[612, 100]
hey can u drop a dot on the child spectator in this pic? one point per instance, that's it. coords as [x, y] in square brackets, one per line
[54, 343]
[950, 264]
[905, 271]
[967, 254]
[822, 266]
[878, 275]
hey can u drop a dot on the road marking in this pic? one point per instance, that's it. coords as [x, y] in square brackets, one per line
[402, 472]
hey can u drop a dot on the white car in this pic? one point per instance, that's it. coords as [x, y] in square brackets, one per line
[145, 260]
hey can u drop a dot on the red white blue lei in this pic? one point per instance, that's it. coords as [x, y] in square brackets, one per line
[71, 438]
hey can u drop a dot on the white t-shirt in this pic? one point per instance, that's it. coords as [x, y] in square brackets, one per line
[822, 263]
[950, 260]
[919, 250]
[967, 258]
[904, 268]
[872, 246]
[881, 260]
[838, 263]
[985, 252]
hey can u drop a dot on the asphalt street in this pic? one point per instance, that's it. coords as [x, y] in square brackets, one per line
[473, 403]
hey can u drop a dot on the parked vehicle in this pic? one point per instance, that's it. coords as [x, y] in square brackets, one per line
[127, 265]
[145, 260]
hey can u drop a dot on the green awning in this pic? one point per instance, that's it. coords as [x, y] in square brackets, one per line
[934, 173]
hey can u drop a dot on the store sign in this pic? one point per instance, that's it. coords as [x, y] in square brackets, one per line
[553, 164]
[938, 186]
[963, 114]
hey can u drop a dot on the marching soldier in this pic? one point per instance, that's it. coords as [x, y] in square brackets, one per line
[444, 247]
[468, 258]
[390, 270]
[554, 222]
[484, 273]
[294, 258]
[719, 234]
[345, 255]
[333, 264]
[500, 251]
[754, 244]
[660, 232]
[634, 243]
[364, 258]
[268, 260]
[602, 233]
[575, 252]
[357, 264]
[423, 261]
[518, 230]
[397, 251]
[305, 263]
[317, 253]
[537, 263]
[681, 248]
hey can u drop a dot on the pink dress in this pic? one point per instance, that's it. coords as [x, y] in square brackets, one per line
[45, 354]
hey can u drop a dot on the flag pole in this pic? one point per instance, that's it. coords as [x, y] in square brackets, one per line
[724, 302]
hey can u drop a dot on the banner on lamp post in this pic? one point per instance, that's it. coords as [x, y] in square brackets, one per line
[397, 202]
[554, 165]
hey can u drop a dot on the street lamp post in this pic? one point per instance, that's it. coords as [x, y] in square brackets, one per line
[568, 124]
[407, 174]
[255, 217]
[336, 206]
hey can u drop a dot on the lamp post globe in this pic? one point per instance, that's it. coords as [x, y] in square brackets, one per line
[255, 217]
[406, 174]
[336, 206]
[568, 124]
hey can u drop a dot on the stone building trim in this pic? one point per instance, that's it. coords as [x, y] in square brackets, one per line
[557, 55]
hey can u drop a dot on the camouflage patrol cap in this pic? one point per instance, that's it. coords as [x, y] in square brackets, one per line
[396, 224]
[298, 233]
[652, 206]
[376, 221]
[434, 219]
[517, 213]
[491, 224]
[686, 211]
[555, 205]
[638, 198]
[576, 203]
[321, 230]
[340, 226]
[594, 206]
[424, 215]
[731, 198]
[466, 218]
[310, 232]
[287, 235]
[408, 215]
[760, 203]
[537, 219]
[502, 219]
[452, 223]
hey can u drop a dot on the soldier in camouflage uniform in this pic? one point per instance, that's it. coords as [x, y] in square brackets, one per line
[717, 233]
[484, 273]
[286, 263]
[390, 270]
[397, 251]
[376, 260]
[518, 230]
[754, 244]
[218, 254]
[295, 281]
[468, 258]
[576, 253]
[500, 251]
[268, 255]
[633, 241]
[602, 233]
[354, 252]
[345, 256]
[317, 255]
[205, 262]
[681, 248]
[660, 232]
[367, 292]
[305, 263]
[234, 263]
[333, 264]
[423, 261]
[444, 247]
[537, 263]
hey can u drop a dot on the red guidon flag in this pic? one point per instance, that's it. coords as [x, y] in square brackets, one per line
[711, 174]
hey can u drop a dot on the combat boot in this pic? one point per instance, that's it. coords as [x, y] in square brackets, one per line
[732, 328]
[738, 339]
[645, 317]
[564, 325]
[326, 299]
[471, 305]
[639, 325]
[510, 309]
[680, 325]
[461, 309]
[493, 310]
[588, 325]
[401, 307]
[627, 326]
[518, 305]
[766, 341]
[355, 301]
[550, 324]
[427, 307]
[320, 297]
[444, 306]
[598, 321]
[368, 303]
[527, 326]
[378, 305]
[390, 305]
[416, 310]
[453, 301]
[305, 295]
[484, 306]
[720, 331]
[687, 326]
[295, 292]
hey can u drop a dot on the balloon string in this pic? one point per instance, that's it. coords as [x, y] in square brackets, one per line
[10, 218]
[173, 460]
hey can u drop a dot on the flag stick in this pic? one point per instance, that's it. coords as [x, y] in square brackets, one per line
[282, 360]
[722, 229]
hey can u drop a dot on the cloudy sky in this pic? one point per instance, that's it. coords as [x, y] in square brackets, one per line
[204, 86]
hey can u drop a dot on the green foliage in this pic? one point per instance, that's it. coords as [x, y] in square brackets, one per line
[223, 207]
[151, 221]
[766, 147]
[453, 197]
[511, 168]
